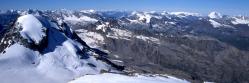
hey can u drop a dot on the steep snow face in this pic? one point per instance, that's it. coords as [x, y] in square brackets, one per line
[215, 24]
[117, 78]
[215, 15]
[32, 29]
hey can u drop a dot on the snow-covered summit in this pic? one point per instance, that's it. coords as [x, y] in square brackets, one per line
[52, 53]
[240, 20]
[88, 11]
[32, 29]
[214, 15]
[183, 14]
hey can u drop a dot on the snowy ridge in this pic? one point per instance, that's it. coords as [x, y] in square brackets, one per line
[75, 19]
[184, 14]
[242, 20]
[88, 11]
[215, 24]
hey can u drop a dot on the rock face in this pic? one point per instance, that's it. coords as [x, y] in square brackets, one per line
[44, 49]
[197, 48]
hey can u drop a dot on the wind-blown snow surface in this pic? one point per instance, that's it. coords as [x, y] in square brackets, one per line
[117, 78]
[18, 65]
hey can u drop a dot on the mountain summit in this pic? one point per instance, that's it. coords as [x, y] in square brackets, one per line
[47, 51]
[215, 15]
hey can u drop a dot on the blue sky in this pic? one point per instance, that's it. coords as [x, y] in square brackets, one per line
[230, 7]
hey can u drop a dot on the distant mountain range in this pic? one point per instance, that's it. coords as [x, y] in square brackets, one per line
[187, 45]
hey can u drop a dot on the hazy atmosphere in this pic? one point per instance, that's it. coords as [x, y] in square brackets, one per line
[231, 7]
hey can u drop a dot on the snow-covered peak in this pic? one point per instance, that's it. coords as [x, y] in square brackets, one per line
[145, 16]
[142, 16]
[59, 55]
[88, 11]
[184, 14]
[74, 19]
[164, 13]
[241, 20]
[214, 15]
[31, 28]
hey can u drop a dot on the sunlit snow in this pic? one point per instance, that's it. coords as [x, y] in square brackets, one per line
[32, 29]
[118, 78]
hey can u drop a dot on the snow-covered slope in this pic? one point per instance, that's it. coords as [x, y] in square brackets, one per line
[117, 78]
[42, 51]
[32, 29]
[215, 24]
[241, 20]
